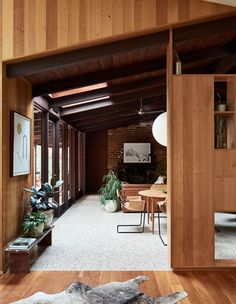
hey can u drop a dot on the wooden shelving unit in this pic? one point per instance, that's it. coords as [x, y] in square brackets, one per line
[225, 113]
[224, 130]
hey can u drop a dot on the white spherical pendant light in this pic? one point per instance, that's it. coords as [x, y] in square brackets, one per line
[159, 129]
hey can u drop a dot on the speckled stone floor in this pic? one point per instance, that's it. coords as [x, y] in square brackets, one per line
[225, 236]
[85, 238]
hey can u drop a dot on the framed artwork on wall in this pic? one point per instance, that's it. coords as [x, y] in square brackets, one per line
[20, 133]
[137, 153]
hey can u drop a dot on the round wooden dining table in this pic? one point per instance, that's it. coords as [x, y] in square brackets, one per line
[151, 197]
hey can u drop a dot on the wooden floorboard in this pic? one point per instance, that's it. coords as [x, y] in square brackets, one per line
[202, 286]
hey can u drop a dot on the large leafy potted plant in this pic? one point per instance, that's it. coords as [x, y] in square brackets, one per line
[33, 224]
[108, 191]
[43, 199]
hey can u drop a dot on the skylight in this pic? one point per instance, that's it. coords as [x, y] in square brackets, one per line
[85, 102]
[79, 90]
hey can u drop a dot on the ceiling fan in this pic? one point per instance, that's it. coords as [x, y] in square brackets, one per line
[142, 112]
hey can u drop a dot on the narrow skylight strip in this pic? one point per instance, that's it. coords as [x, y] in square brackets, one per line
[86, 102]
[79, 90]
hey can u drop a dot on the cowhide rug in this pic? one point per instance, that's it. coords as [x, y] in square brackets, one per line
[112, 293]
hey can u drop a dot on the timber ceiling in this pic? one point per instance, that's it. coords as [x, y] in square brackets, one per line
[134, 70]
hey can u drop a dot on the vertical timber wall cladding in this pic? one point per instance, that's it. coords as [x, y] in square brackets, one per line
[32, 26]
[96, 160]
[1, 132]
[192, 168]
[16, 97]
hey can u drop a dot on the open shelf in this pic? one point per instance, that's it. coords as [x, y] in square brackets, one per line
[224, 124]
[225, 113]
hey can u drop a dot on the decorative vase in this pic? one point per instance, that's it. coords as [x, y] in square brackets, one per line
[37, 230]
[49, 218]
[221, 107]
[111, 206]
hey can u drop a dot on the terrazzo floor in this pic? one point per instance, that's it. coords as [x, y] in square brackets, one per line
[85, 238]
[225, 236]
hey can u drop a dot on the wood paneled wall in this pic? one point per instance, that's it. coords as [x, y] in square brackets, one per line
[96, 160]
[16, 97]
[225, 159]
[1, 151]
[192, 210]
[31, 26]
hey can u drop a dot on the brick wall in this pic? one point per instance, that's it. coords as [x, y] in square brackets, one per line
[135, 133]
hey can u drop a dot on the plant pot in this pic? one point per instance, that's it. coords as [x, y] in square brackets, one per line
[37, 231]
[49, 218]
[111, 206]
[221, 107]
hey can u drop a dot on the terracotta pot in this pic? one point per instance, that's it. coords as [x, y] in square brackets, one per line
[49, 218]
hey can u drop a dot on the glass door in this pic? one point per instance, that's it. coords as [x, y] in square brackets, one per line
[51, 150]
[38, 115]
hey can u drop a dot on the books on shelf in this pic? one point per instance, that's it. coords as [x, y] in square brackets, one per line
[22, 243]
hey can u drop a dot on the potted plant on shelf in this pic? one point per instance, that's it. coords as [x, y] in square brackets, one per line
[43, 200]
[221, 105]
[33, 224]
[108, 191]
[220, 132]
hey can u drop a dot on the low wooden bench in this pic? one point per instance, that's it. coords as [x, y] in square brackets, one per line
[19, 259]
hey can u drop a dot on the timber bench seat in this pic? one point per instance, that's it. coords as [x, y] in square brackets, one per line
[19, 259]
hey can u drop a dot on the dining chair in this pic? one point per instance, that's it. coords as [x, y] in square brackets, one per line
[162, 210]
[133, 205]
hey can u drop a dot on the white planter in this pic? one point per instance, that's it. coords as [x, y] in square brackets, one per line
[49, 218]
[221, 107]
[111, 206]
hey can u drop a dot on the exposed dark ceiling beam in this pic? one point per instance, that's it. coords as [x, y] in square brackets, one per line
[200, 69]
[86, 54]
[111, 117]
[206, 54]
[226, 64]
[98, 77]
[149, 92]
[204, 29]
[115, 124]
[115, 109]
[119, 109]
[110, 90]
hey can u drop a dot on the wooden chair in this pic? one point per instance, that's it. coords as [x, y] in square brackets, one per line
[162, 209]
[135, 205]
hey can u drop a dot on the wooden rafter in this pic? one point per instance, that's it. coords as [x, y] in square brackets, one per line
[117, 109]
[98, 77]
[149, 92]
[204, 29]
[84, 55]
[111, 90]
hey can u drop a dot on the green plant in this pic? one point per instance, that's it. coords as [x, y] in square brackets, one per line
[43, 199]
[218, 98]
[32, 220]
[108, 191]
[219, 101]
[220, 129]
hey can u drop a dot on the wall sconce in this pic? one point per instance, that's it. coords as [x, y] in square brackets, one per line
[159, 129]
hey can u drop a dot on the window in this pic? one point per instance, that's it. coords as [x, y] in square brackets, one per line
[69, 149]
[38, 115]
[51, 150]
[61, 162]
